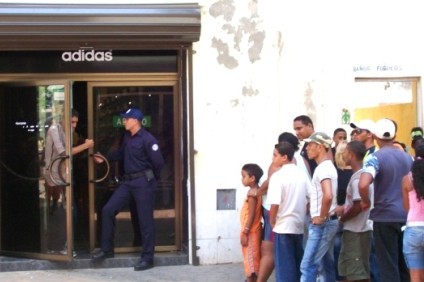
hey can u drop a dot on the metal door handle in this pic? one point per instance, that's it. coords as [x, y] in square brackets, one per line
[49, 174]
[106, 162]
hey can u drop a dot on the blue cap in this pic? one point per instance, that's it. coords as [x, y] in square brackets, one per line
[133, 113]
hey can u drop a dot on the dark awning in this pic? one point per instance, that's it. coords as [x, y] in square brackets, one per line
[112, 26]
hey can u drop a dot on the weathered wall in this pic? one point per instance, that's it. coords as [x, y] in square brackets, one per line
[235, 113]
[259, 64]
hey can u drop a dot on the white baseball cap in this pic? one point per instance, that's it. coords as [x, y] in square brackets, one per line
[385, 129]
[366, 124]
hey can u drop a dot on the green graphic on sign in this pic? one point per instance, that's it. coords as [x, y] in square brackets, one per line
[118, 122]
[345, 116]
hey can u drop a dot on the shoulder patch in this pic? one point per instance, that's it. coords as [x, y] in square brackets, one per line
[155, 147]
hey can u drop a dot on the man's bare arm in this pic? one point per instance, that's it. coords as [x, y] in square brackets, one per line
[364, 183]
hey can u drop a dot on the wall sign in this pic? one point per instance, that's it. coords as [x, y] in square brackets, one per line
[89, 61]
[378, 68]
[117, 121]
[89, 56]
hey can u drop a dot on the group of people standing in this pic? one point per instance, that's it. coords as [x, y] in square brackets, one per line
[367, 194]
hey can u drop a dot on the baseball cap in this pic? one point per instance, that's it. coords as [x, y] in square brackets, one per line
[366, 124]
[320, 138]
[416, 132]
[385, 129]
[133, 113]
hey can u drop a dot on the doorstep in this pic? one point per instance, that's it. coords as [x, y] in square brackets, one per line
[82, 261]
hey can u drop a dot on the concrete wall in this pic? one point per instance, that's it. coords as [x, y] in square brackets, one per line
[259, 64]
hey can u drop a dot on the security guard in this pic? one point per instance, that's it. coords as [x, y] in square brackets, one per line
[142, 163]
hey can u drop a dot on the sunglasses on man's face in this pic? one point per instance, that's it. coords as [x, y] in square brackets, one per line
[359, 131]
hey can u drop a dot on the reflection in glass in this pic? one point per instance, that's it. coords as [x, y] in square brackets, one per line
[29, 222]
[156, 103]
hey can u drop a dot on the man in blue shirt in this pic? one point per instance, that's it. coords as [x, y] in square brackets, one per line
[386, 168]
[142, 163]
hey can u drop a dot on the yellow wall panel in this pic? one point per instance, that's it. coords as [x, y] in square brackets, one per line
[405, 116]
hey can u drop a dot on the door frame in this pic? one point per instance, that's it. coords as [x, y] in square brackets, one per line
[400, 112]
[177, 212]
[139, 79]
[67, 160]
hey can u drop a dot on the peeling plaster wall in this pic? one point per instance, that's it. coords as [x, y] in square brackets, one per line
[259, 64]
[235, 113]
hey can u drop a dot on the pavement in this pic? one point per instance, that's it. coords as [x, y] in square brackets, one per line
[179, 273]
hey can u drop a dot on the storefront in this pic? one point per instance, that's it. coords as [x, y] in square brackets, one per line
[99, 60]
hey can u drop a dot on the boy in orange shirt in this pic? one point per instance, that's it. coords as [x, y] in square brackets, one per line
[250, 219]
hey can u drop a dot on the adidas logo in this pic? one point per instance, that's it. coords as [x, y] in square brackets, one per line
[89, 56]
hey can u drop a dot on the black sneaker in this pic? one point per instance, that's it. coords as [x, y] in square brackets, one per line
[143, 265]
[101, 255]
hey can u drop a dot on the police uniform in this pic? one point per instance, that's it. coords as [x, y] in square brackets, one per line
[142, 163]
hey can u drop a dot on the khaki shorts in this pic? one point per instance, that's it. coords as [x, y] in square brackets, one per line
[354, 258]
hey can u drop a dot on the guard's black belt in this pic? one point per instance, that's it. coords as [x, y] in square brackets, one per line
[135, 175]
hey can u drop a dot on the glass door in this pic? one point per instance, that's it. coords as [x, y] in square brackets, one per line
[158, 102]
[35, 174]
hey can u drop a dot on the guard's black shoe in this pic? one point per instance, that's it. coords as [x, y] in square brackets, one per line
[101, 255]
[143, 265]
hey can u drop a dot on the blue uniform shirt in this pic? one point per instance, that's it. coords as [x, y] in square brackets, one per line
[139, 152]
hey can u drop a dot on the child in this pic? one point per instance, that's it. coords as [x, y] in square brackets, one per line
[287, 195]
[250, 219]
[353, 261]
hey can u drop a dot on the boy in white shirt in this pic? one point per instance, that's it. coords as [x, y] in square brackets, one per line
[287, 195]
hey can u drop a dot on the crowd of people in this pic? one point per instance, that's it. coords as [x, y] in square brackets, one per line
[336, 210]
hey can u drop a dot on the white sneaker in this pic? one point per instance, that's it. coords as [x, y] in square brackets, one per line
[65, 252]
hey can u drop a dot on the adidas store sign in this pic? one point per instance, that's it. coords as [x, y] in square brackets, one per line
[87, 56]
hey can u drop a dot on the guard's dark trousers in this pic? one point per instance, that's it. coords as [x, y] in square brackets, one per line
[143, 193]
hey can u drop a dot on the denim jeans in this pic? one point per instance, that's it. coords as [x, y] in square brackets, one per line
[288, 250]
[388, 239]
[413, 246]
[337, 247]
[268, 234]
[319, 252]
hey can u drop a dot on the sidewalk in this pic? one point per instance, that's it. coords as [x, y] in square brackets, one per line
[179, 273]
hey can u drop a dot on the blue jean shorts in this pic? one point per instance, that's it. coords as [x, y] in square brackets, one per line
[268, 234]
[413, 247]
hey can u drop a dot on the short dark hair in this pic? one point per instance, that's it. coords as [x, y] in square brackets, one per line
[357, 148]
[417, 171]
[253, 170]
[401, 144]
[337, 130]
[305, 120]
[416, 136]
[285, 148]
[417, 140]
[291, 138]
[75, 113]
[419, 150]
[417, 128]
